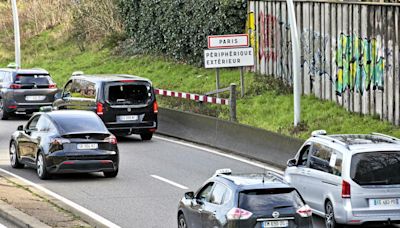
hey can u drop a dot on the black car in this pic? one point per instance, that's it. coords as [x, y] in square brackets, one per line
[65, 142]
[126, 104]
[24, 91]
[244, 200]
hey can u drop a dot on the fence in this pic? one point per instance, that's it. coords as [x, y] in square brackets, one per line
[350, 51]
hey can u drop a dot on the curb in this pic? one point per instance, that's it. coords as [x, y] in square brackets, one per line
[19, 218]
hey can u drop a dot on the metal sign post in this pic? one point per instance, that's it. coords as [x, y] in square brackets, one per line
[16, 34]
[242, 82]
[217, 81]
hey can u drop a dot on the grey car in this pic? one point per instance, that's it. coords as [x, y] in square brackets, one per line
[24, 91]
[349, 178]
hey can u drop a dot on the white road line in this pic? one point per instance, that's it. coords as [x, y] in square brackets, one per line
[78, 207]
[2, 226]
[169, 182]
[238, 158]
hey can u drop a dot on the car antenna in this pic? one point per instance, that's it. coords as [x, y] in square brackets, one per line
[265, 172]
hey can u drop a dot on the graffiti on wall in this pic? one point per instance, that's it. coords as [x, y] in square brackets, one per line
[360, 63]
[314, 47]
[268, 34]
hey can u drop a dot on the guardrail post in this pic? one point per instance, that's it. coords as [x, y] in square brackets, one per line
[232, 102]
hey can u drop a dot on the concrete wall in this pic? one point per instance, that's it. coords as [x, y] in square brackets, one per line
[350, 51]
[240, 139]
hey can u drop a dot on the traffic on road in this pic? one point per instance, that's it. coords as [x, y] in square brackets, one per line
[344, 179]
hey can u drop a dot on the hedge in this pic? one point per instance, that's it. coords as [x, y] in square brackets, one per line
[179, 28]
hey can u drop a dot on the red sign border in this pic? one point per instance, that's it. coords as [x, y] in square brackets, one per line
[222, 36]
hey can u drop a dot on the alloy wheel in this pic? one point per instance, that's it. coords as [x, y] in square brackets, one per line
[329, 216]
[13, 154]
[40, 166]
[182, 222]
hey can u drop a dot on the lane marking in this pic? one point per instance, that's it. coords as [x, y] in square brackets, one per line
[76, 206]
[2, 226]
[234, 157]
[169, 182]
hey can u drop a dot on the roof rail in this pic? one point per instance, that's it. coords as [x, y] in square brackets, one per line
[276, 175]
[77, 73]
[333, 140]
[385, 136]
[38, 68]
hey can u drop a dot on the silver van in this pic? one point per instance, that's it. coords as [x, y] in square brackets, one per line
[24, 91]
[349, 179]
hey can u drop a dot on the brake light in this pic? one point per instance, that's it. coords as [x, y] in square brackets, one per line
[111, 139]
[12, 106]
[345, 189]
[99, 109]
[155, 107]
[238, 214]
[304, 211]
[15, 86]
[52, 86]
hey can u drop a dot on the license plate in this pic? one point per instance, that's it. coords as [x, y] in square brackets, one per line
[87, 146]
[384, 203]
[35, 98]
[129, 118]
[278, 223]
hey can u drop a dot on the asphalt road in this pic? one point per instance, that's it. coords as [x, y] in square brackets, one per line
[135, 198]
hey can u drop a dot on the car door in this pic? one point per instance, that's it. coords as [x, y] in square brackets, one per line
[27, 145]
[213, 214]
[193, 215]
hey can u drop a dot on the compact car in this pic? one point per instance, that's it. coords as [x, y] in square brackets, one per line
[65, 142]
[244, 200]
[24, 91]
[127, 104]
[349, 178]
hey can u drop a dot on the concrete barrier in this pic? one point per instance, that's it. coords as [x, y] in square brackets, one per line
[237, 138]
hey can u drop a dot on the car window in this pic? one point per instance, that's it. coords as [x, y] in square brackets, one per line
[335, 162]
[1, 76]
[32, 124]
[303, 156]
[67, 89]
[217, 194]
[204, 193]
[43, 124]
[320, 158]
[129, 93]
[227, 196]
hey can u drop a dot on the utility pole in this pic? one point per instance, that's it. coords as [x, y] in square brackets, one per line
[296, 61]
[16, 34]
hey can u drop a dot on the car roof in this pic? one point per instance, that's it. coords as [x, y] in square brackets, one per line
[254, 181]
[26, 71]
[109, 77]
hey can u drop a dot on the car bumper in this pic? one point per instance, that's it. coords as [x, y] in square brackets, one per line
[358, 217]
[132, 128]
[25, 107]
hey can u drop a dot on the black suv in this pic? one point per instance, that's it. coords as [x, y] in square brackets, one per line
[244, 200]
[24, 91]
[126, 104]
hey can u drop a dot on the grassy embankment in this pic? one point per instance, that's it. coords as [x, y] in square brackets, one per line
[268, 109]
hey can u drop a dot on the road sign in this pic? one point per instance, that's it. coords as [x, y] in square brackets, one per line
[228, 41]
[232, 57]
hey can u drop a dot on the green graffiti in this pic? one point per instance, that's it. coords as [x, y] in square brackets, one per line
[360, 63]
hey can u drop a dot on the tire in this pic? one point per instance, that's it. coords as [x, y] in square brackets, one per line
[41, 167]
[146, 136]
[182, 221]
[14, 160]
[4, 115]
[111, 174]
[330, 221]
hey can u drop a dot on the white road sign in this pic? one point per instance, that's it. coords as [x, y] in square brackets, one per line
[232, 57]
[228, 41]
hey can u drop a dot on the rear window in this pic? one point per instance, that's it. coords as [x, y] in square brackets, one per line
[376, 168]
[262, 200]
[34, 80]
[81, 124]
[131, 94]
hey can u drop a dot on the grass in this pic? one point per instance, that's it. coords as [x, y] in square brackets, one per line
[265, 106]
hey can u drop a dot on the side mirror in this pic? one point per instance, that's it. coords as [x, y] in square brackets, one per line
[66, 94]
[291, 162]
[58, 95]
[20, 128]
[189, 195]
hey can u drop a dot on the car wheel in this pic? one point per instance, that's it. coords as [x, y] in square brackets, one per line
[41, 167]
[146, 136]
[182, 221]
[330, 221]
[14, 156]
[4, 115]
[111, 174]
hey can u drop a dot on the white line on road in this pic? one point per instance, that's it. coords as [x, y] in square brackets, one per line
[169, 182]
[238, 158]
[2, 226]
[78, 207]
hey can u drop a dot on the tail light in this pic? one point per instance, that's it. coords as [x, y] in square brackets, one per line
[238, 214]
[304, 211]
[99, 109]
[155, 107]
[59, 141]
[111, 139]
[345, 189]
[52, 86]
[15, 86]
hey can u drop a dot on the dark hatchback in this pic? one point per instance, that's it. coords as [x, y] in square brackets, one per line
[126, 104]
[24, 91]
[244, 200]
[65, 142]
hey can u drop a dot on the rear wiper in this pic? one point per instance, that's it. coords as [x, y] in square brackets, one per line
[284, 206]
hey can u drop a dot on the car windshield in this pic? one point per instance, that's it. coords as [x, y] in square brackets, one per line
[133, 94]
[262, 201]
[34, 79]
[376, 168]
[80, 124]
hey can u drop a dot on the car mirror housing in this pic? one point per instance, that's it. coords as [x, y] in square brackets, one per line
[58, 95]
[291, 162]
[20, 128]
[189, 195]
